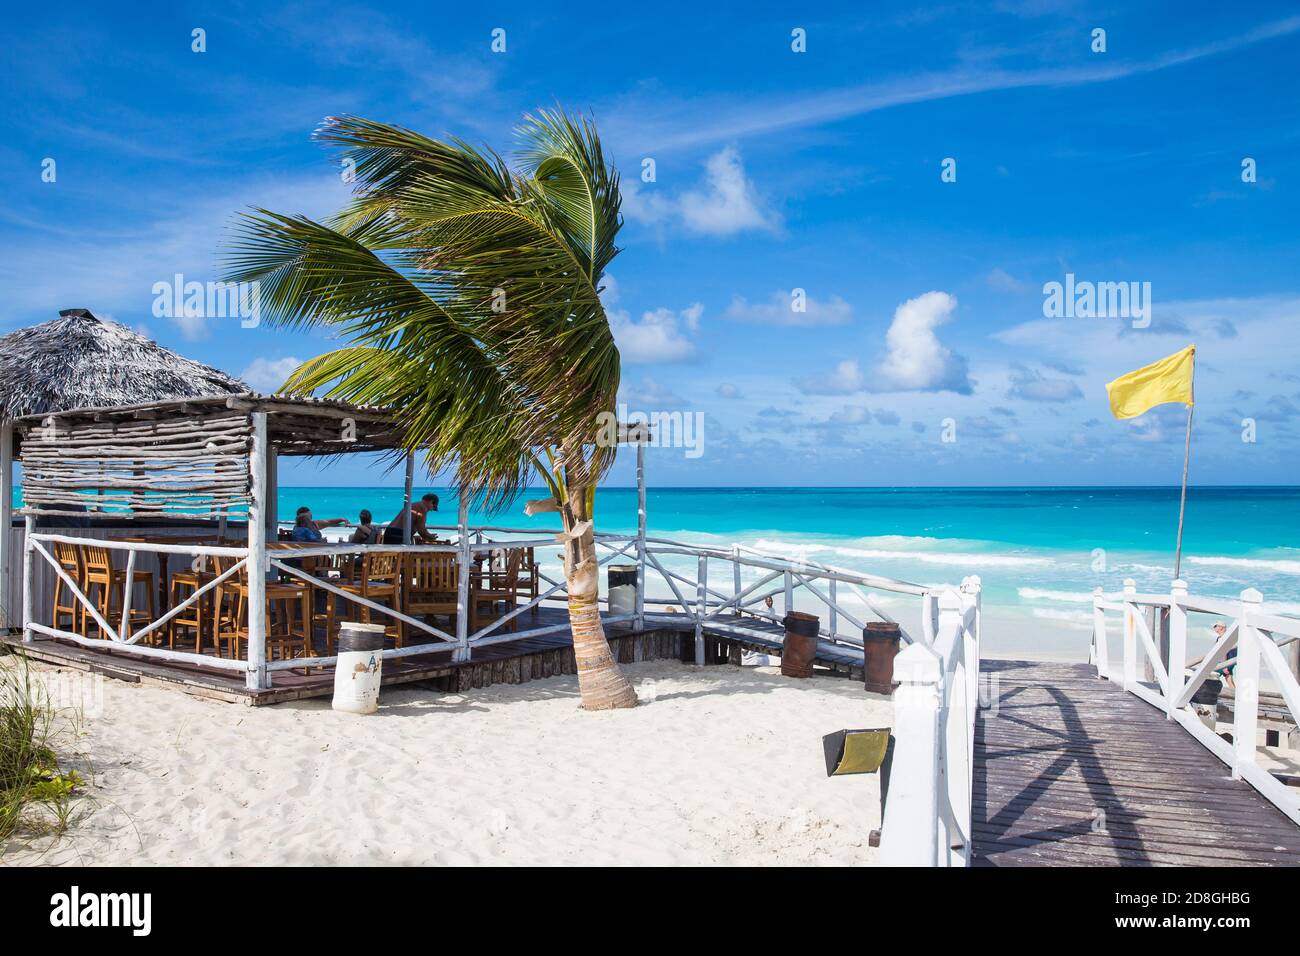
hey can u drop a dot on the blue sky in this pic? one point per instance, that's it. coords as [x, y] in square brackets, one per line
[775, 171]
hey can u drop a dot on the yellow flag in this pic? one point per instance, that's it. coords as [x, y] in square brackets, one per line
[1169, 380]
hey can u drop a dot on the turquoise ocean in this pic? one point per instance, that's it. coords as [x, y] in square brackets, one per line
[1038, 551]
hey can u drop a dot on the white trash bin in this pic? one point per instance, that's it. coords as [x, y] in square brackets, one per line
[622, 588]
[359, 669]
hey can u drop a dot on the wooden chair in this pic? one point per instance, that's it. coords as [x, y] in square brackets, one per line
[432, 581]
[109, 584]
[287, 616]
[497, 587]
[69, 558]
[198, 617]
[380, 580]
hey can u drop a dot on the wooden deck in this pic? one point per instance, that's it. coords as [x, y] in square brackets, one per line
[1072, 771]
[508, 662]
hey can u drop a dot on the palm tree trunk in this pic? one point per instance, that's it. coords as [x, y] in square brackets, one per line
[600, 682]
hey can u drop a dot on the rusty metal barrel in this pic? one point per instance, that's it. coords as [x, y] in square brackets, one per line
[800, 645]
[880, 641]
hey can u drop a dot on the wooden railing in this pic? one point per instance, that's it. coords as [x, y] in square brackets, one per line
[927, 817]
[1153, 632]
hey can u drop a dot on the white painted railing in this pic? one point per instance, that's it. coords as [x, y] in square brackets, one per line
[729, 604]
[1265, 644]
[927, 818]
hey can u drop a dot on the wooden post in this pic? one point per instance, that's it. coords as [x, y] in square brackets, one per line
[1130, 634]
[259, 511]
[970, 600]
[640, 534]
[1245, 679]
[789, 592]
[128, 595]
[955, 771]
[6, 520]
[909, 832]
[1152, 615]
[406, 498]
[29, 525]
[1176, 658]
[462, 652]
[272, 493]
[735, 576]
[834, 613]
[701, 606]
[1101, 652]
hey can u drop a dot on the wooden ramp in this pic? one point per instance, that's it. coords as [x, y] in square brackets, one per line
[1072, 771]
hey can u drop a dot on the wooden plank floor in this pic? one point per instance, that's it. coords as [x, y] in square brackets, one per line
[514, 661]
[1071, 770]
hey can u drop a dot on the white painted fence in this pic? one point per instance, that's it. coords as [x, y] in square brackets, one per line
[1266, 645]
[927, 819]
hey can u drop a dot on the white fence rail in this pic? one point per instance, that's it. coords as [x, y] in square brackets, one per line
[1153, 640]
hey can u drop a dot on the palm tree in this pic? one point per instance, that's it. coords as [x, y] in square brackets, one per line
[469, 295]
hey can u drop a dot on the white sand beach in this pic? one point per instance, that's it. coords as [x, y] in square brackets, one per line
[718, 765]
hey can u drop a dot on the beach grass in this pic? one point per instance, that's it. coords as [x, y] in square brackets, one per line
[35, 791]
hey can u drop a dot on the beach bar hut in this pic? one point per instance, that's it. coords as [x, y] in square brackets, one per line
[81, 361]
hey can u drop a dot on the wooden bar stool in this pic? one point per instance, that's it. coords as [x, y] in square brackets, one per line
[70, 560]
[497, 587]
[109, 584]
[287, 618]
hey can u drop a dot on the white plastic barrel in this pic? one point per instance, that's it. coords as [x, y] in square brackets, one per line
[622, 589]
[359, 669]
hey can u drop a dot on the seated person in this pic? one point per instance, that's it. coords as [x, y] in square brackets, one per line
[419, 533]
[307, 529]
[366, 532]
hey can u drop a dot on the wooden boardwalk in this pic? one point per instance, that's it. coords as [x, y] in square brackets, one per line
[1072, 771]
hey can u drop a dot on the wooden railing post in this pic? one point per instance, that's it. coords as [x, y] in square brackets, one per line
[909, 832]
[6, 522]
[701, 605]
[1177, 667]
[789, 592]
[29, 526]
[1130, 634]
[735, 576]
[260, 515]
[640, 535]
[1245, 679]
[834, 611]
[958, 734]
[462, 652]
[1101, 653]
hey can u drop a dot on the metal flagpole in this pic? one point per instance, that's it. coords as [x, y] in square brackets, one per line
[1182, 501]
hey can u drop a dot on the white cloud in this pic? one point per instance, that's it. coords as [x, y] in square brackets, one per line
[1033, 386]
[649, 394]
[267, 375]
[727, 390]
[116, 270]
[726, 203]
[657, 337]
[916, 361]
[845, 379]
[779, 310]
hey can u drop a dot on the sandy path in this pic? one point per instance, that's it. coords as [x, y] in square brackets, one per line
[721, 765]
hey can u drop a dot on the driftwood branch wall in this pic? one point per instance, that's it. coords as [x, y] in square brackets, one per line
[194, 467]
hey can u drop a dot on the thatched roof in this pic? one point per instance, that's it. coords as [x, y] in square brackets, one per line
[81, 361]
